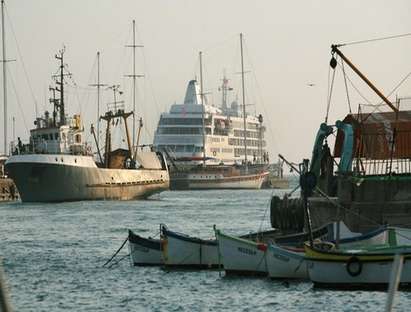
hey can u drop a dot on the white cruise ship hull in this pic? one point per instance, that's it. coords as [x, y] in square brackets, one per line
[58, 178]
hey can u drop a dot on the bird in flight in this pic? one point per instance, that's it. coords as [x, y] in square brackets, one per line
[311, 84]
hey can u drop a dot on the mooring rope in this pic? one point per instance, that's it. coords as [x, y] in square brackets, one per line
[115, 254]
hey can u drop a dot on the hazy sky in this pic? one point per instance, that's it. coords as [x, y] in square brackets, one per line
[287, 47]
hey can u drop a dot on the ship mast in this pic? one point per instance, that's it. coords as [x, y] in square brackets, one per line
[134, 76]
[98, 85]
[60, 57]
[244, 111]
[4, 76]
[202, 106]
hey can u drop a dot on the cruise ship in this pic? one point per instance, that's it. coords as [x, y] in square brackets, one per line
[222, 164]
[58, 165]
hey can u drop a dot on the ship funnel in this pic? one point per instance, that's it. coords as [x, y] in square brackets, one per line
[193, 96]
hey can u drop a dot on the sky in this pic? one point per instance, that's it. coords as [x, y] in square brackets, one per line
[286, 56]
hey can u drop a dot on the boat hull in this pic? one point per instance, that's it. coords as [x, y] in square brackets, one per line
[72, 178]
[145, 251]
[216, 181]
[181, 251]
[240, 256]
[370, 270]
[284, 263]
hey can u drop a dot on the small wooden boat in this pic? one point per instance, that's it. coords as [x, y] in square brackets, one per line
[183, 251]
[249, 256]
[290, 262]
[285, 262]
[145, 251]
[356, 269]
[246, 255]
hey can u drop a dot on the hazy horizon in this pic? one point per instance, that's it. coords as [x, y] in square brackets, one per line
[287, 52]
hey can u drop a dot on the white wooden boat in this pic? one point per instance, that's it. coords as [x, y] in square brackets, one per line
[246, 255]
[183, 251]
[241, 256]
[356, 269]
[286, 262]
[144, 251]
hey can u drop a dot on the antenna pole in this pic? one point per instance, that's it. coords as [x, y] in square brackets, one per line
[202, 105]
[4, 76]
[244, 112]
[134, 76]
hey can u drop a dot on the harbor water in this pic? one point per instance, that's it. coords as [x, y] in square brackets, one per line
[53, 256]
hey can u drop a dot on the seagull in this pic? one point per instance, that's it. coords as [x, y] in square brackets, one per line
[311, 84]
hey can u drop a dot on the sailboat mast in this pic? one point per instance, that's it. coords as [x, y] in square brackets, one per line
[202, 105]
[98, 99]
[244, 111]
[4, 76]
[134, 82]
[98, 85]
[134, 76]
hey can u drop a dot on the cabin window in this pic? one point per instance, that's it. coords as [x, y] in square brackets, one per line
[78, 138]
[56, 136]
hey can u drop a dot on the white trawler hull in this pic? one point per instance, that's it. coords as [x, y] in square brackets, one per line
[57, 178]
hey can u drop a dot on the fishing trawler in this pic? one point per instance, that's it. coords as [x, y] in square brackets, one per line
[364, 180]
[58, 165]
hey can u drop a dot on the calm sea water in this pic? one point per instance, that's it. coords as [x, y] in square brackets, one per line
[53, 256]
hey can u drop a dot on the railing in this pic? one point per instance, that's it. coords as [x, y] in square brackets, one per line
[381, 166]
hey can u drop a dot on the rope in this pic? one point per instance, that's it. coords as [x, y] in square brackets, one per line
[330, 90]
[22, 61]
[345, 209]
[117, 262]
[18, 99]
[375, 39]
[346, 87]
[115, 254]
[265, 211]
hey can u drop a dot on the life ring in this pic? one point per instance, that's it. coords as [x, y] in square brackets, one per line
[354, 266]
[214, 153]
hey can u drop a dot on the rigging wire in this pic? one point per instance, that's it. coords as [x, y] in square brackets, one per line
[147, 78]
[375, 39]
[330, 90]
[356, 89]
[346, 87]
[259, 92]
[22, 61]
[18, 99]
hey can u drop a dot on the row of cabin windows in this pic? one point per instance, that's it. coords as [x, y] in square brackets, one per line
[181, 148]
[55, 137]
[240, 142]
[250, 134]
[181, 121]
[179, 131]
[250, 152]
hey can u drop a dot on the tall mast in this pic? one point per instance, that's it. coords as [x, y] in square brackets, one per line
[98, 85]
[60, 57]
[134, 76]
[244, 111]
[4, 76]
[202, 105]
